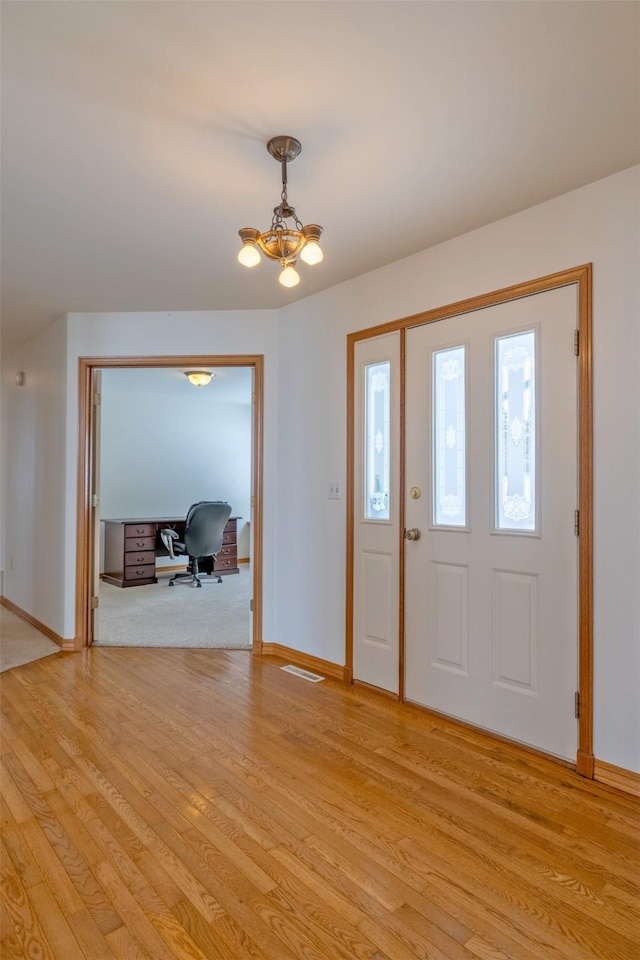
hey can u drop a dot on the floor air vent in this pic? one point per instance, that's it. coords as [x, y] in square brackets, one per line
[312, 677]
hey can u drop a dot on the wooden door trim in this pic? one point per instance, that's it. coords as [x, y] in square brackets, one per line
[84, 527]
[401, 511]
[581, 276]
[350, 494]
[585, 757]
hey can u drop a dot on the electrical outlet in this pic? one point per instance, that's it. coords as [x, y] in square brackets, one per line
[334, 490]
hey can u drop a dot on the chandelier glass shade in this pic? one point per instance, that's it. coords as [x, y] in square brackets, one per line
[287, 238]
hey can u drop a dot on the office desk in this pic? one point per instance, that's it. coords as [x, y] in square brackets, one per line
[132, 545]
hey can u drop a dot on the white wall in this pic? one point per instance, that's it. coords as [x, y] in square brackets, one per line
[166, 444]
[598, 223]
[305, 391]
[34, 478]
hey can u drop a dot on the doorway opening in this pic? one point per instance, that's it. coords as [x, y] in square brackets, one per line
[108, 609]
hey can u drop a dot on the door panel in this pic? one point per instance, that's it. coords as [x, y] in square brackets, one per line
[491, 615]
[376, 595]
[449, 618]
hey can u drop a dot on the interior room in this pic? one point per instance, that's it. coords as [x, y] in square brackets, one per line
[166, 443]
[416, 225]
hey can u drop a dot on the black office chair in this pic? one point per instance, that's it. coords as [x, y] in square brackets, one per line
[203, 532]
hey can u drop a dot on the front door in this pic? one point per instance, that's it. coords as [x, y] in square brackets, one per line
[491, 585]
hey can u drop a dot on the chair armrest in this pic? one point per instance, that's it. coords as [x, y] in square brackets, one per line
[168, 536]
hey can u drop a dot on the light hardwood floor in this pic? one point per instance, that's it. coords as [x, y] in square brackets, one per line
[204, 804]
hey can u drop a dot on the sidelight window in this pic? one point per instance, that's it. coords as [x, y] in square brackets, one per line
[377, 440]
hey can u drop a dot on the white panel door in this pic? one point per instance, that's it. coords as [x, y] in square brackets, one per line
[376, 595]
[491, 586]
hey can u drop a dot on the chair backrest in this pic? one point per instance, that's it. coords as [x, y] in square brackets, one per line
[204, 527]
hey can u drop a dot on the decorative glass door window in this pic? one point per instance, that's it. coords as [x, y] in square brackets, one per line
[515, 425]
[377, 440]
[449, 438]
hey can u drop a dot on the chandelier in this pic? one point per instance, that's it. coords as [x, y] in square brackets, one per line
[282, 241]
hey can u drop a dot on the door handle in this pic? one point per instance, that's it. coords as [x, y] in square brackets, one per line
[413, 534]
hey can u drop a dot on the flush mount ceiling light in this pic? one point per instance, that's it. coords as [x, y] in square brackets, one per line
[199, 378]
[282, 242]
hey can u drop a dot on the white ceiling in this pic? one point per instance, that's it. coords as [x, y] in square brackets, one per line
[133, 136]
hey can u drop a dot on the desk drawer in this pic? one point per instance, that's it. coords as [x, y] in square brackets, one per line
[139, 558]
[139, 543]
[227, 551]
[139, 530]
[225, 563]
[147, 572]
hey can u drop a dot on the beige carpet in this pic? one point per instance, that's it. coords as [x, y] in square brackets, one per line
[21, 643]
[215, 615]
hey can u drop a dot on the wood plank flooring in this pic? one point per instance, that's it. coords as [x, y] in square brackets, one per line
[205, 805]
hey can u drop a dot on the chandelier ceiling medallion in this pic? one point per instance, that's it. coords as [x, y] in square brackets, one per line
[283, 242]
